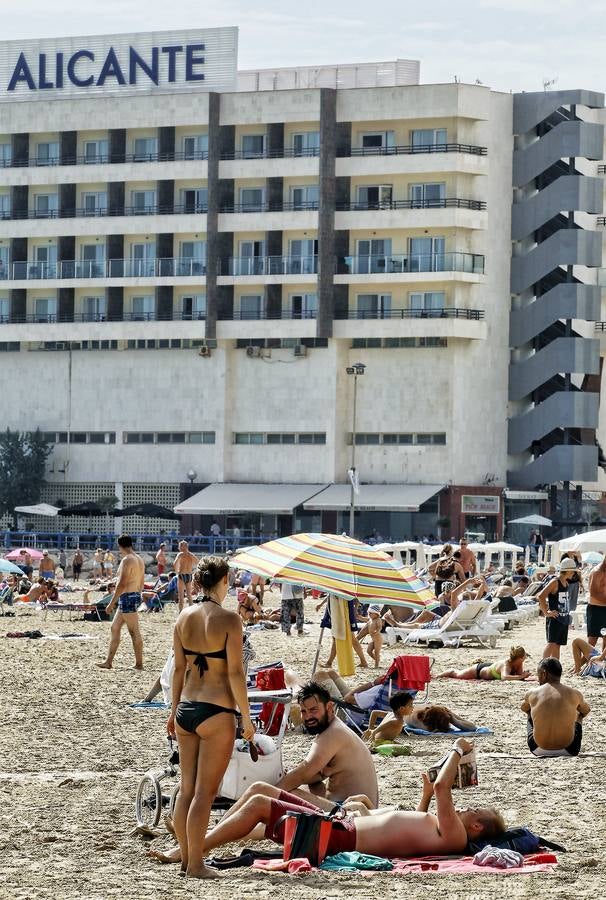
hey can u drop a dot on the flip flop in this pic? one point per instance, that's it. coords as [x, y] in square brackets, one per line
[253, 750]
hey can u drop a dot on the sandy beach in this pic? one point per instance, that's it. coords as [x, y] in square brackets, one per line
[73, 752]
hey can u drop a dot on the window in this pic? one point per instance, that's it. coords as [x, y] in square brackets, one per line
[47, 153]
[94, 203]
[94, 309]
[303, 257]
[4, 309]
[6, 154]
[195, 146]
[303, 306]
[9, 346]
[194, 200]
[427, 195]
[427, 302]
[373, 306]
[46, 205]
[426, 254]
[192, 258]
[306, 196]
[145, 149]
[252, 199]
[4, 261]
[249, 437]
[92, 261]
[5, 206]
[143, 202]
[374, 256]
[143, 307]
[378, 140]
[77, 437]
[403, 342]
[96, 151]
[427, 139]
[193, 307]
[251, 306]
[202, 437]
[375, 196]
[306, 143]
[313, 438]
[253, 146]
[45, 309]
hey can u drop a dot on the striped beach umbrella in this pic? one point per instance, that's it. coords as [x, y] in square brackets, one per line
[339, 565]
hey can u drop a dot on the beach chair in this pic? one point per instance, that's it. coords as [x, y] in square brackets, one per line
[6, 597]
[71, 608]
[406, 673]
[470, 621]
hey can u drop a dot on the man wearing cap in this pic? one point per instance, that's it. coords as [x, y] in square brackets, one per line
[46, 568]
[553, 600]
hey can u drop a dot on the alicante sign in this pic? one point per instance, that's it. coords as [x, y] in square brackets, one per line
[128, 63]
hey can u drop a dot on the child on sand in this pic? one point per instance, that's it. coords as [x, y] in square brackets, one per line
[373, 628]
[393, 723]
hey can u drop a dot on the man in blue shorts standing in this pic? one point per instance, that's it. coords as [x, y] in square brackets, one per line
[127, 594]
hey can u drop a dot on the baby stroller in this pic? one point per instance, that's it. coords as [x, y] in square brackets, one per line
[158, 789]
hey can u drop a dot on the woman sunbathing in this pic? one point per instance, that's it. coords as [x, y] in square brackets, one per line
[511, 669]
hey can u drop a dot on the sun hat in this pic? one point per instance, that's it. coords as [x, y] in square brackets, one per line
[374, 608]
[567, 565]
[447, 587]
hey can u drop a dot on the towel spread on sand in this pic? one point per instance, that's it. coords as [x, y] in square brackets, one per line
[348, 860]
[408, 729]
[533, 862]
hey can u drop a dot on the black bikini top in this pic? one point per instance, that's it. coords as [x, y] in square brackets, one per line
[200, 658]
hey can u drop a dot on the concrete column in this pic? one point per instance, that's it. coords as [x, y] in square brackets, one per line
[19, 201]
[115, 303]
[117, 145]
[20, 144]
[326, 213]
[166, 196]
[115, 197]
[166, 142]
[67, 201]
[18, 305]
[164, 302]
[212, 217]
[66, 304]
[69, 147]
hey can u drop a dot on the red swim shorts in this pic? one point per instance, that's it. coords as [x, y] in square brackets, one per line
[343, 836]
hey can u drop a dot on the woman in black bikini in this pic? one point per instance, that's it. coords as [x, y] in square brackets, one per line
[208, 641]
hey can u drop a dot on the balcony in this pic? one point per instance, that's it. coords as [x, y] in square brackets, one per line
[255, 315]
[281, 206]
[409, 149]
[101, 159]
[408, 264]
[281, 153]
[408, 313]
[450, 322]
[246, 266]
[54, 318]
[103, 212]
[444, 203]
[70, 270]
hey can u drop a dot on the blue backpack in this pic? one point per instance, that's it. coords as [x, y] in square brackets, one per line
[522, 840]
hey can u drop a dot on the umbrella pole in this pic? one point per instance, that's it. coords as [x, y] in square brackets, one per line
[317, 657]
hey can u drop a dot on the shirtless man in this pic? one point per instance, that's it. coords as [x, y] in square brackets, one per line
[25, 563]
[386, 833]
[338, 763]
[47, 565]
[127, 594]
[183, 565]
[161, 560]
[555, 713]
[596, 608]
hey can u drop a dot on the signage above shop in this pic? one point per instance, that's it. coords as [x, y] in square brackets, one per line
[480, 504]
[192, 60]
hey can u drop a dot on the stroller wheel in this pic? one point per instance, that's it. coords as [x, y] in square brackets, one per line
[148, 805]
[173, 800]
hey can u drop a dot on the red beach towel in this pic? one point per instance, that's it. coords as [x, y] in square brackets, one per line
[412, 672]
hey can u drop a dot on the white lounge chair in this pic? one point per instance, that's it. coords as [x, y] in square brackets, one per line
[471, 620]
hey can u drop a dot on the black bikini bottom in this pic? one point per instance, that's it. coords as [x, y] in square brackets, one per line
[191, 713]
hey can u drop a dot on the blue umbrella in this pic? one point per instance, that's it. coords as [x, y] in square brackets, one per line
[7, 566]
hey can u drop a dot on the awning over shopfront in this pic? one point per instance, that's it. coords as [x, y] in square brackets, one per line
[232, 499]
[386, 497]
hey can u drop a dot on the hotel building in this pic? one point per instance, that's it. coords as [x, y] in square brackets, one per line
[193, 261]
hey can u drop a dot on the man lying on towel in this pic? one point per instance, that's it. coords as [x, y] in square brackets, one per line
[555, 713]
[386, 833]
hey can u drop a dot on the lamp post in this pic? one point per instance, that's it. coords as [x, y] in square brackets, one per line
[355, 370]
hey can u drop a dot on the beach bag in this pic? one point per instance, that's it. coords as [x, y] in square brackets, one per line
[522, 840]
[445, 569]
[271, 680]
[306, 836]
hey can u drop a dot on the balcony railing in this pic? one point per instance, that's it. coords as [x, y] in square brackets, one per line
[601, 221]
[102, 211]
[280, 153]
[444, 203]
[406, 149]
[103, 158]
[262, 314]
[149, 316]
[270, 206]
[269, 265]
[472, 263]
[408, 313]
[602, 169]
[112, 268]
[600, 326]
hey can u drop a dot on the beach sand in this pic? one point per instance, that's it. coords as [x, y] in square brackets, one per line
[72, 753]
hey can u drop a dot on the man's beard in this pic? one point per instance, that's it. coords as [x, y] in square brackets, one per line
[317, 726]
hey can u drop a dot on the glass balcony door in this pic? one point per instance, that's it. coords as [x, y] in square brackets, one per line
[6, 154]
[252, 258]
[144, 307]
[195, 146]
[194, 200]
[426, 254]
[145, 149]
[375, 196]
[378, 140]
[304, 306]
[143, 202]
[252, 199]
[251, 306]
[374, 256]
[94, 309]
[4, 309]
[143, 260]
[92, 260]
[303, 257]
[193, 306]
[427, 303]
[45, 262]
[192, 258]
[307, 196]
[45, 309]
[373, 306]
[96, 151]
[46, 205]
[428, 138]
[94, 203]
[427, 195]
[253, 146]
[307, 143]
[4, 262]
[5, 206]
[47, 153]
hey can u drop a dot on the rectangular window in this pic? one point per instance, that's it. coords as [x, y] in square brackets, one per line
[45, 309]
[390, 438]
[47, 153]
[252, 199]
[143, 202]
[96, 151]
[251, 306]
[427, 195]
[145, 149]
[6, 154]
[373, 306]
[62, 437]
[405, 439]
[131, 437]
[375, 196]
[426, 302]
[202, 437]
[46, 205]
[428, 139]
[378, 141]
[96, 437]
[77, 437]
[306, 143]
[193, 307]
[424, 438]
[163, 438]
[306, 196]
[143, 308]
[439, 439]
[195, 146]
[253, 146]
[242, 437]
[256, 437]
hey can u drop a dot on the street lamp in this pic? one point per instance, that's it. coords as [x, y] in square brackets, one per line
[355, 370]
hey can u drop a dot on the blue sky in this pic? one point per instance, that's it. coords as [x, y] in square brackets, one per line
[506, 44]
